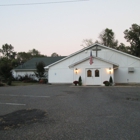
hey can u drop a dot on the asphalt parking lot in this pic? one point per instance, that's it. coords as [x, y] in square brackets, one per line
[71, 113]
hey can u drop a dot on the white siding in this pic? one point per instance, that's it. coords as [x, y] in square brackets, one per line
[98, 64]
[121, 75]
[61, 73]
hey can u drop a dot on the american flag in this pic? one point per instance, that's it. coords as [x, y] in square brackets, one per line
[91, 58]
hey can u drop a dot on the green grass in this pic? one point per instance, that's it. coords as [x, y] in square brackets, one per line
[20, 83]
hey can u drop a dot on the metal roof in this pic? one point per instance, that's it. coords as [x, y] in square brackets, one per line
[31, 64]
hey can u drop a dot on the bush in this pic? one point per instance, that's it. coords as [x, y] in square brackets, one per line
[40, 71]
[1, 84]
[26, 79]
[111, 80]
[106, 83]
[46, 81]
[9, 81]
[76, 82]
[43, 81]
[80, 81]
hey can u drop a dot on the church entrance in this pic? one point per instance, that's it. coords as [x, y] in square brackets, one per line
[93, 76]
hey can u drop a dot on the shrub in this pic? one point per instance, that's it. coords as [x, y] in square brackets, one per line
[76, 82]
[110, 80]
[26, 79]
[80, 81]
[40, 71]
[1, 84]
[106, 83]
[46, 81]
[9, 81]
[43, 81]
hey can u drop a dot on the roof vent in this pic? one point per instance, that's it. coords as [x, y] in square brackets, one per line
[130, 69]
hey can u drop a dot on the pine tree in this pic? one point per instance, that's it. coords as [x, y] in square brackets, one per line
[80, 81]
[110, 80]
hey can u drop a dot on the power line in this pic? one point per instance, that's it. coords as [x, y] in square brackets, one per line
[24, 4]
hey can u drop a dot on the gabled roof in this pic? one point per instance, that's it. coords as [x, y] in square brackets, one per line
[87, 58]
[31, 64]
[86, 48]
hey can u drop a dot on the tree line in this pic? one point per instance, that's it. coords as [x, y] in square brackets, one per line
[7, 52]
[10, 59]
[107, 38]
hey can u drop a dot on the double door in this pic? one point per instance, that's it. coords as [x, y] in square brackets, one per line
[93, 76]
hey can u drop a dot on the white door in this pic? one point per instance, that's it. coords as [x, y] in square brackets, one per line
[89, 76]
[93, 77]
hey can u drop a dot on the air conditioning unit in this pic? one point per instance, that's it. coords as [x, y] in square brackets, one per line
[131, 69]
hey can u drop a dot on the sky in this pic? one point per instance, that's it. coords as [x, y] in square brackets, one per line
[61, 27]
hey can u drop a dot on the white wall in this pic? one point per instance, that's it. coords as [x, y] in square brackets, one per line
[121, 75]
[119, 58]
[60, 72]
[60, 75]
[31, 74]
[23, 73]
[104, 70]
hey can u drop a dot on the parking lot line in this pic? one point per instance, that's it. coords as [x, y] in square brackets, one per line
[12, 104]
[26, 96]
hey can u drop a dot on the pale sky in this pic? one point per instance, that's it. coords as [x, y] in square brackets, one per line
[61, 27]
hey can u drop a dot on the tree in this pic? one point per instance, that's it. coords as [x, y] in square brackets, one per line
[54, 55]
[15, 62]
[40, 71]
[107, 38]
[5, 69]
[111, 80]
[123, 48]
[23, 57]
[97, 42]
[87, 42]
[132, 35]
[8, 51]
[80, 81]
[34, 52]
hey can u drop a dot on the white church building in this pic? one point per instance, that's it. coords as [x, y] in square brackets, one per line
[123, 68]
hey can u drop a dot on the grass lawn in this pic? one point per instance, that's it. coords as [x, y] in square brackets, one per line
[20, 83]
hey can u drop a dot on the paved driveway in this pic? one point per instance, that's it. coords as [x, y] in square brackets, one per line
[74, 113]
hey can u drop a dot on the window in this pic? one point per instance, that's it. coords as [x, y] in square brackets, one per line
[96, 73]
[89, 73]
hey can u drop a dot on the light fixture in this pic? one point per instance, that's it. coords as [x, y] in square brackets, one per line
[110, 70]
[76, 70]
